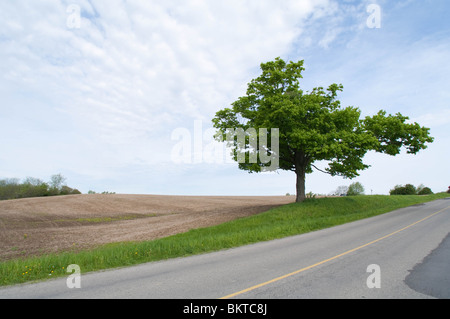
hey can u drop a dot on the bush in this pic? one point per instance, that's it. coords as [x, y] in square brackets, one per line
[408, 189]
[66, 190]
[425, 191]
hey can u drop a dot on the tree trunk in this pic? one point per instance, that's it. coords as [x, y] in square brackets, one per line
[301, 176]
[300, 171]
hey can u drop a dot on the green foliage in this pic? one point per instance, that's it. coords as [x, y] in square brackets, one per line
[311, 195]
[313, 126]
[425, 191]
[66, 190]
[392, 133]
[355, 189]
[12, 188]
[407, 189]
[410, 189]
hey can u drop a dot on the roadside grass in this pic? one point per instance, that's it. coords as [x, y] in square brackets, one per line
[283, 221]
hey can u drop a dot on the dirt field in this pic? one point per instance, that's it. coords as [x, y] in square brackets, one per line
[34, 226]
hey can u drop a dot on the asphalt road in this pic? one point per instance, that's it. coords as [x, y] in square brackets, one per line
[402, 254]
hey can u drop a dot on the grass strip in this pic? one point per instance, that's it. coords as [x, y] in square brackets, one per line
[283, 221]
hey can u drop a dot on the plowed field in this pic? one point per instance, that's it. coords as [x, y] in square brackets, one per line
[34, 226]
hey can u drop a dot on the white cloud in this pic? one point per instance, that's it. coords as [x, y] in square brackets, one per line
[103, 99]
[133, 71]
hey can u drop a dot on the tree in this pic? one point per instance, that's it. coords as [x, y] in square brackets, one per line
[57, 181]
[341, 190]
[9, 188]
[66, 190]
[312, 127]
[33, 187]
[425, 191]
[408, 189]
[355, 189]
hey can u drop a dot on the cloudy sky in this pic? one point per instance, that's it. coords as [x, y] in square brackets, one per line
[103, 91]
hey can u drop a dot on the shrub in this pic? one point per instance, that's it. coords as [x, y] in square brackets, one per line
[66, 190]
[425, 191]
[408, 189]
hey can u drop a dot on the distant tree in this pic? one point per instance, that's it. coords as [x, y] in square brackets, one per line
[66, 190]
[33, 181]
[35, 188]
[12, 188]
[407, 189]
[57, 181]
[312, 127]
[341, 190]
[355, 189]
[425, 191]
[9, 188]
[419, 188]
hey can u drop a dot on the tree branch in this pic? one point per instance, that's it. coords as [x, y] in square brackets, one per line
[320, 169]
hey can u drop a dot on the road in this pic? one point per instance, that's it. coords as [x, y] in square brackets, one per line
[402, 254]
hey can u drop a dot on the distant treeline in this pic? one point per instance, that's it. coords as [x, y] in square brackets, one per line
[13, 188]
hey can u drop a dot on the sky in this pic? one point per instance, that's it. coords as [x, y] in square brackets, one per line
[106, 93]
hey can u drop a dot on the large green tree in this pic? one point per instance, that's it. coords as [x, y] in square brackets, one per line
[312, 126]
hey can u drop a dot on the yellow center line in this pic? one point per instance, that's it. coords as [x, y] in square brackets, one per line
[329, 259]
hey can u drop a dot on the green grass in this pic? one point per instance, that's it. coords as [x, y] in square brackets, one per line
[287, 220]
